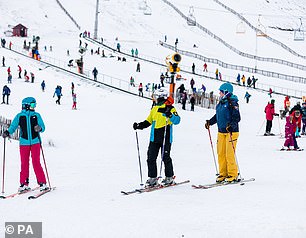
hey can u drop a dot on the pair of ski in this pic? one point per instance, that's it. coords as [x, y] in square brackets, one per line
[151, 189]
[206, 186]
[213, 185]
[34, 196]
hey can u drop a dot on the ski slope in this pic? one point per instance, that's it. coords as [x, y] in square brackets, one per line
[91, 152]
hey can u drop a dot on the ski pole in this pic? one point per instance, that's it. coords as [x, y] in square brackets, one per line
[43, 155]
[163, 149]
[139, 161]
[213, 152]
[232, 142]
[261, 127]
[3, 166]
[280, 132]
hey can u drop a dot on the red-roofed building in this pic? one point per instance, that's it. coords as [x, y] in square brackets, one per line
[20, 30]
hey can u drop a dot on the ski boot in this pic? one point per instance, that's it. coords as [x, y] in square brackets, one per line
[151, 182]
[43, 187]
[168, 181]
[220, 179]
[23, 188]
[231, 179]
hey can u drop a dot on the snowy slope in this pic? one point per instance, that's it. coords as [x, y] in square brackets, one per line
[95, 156]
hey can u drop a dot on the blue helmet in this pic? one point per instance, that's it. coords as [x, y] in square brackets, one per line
[226, 88]
[28, 103]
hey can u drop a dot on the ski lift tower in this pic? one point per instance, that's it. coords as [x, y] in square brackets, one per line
[96, 21]
[191, 20]
[299, 33]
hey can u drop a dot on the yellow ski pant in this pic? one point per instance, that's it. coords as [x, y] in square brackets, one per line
[226, 154]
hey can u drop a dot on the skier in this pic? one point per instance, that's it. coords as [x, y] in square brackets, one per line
[227, 118]
[270, 113]
[247, 96]
[58, 93]
[217, 73]
[132, 52]
[184, 100]
[136, 53]
[74, 101]
[192, 102]
[140, 90]
[72, 88]
[238, 78]
[205, 67]
[9, 78]
[30, 124]
[132, 81]
[193, 68]
[296, 120]
[43, 85]
[95, 73]
[303, 109]
[19, 72]
[181, 90]
[161, 118]
[3, 61]
[32, 77]
[162, 79]
[138, 67]
[270, 92]
[192, 83]
[286, 105]
[289, 133]
[243, 80]
[5, 93]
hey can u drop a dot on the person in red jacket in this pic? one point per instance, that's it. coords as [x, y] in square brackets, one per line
[270, 113]
[296, 121]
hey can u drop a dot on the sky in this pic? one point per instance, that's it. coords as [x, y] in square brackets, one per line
[91, 152]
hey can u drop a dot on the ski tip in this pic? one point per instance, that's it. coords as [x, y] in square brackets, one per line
[31, 197]
[2, 197]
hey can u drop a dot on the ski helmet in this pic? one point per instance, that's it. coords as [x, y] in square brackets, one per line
[161, 93]
[28, 102]
[226, 88]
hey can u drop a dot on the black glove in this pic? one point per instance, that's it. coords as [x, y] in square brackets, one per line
[276, 114]
[168, 113]
[135, 126]
[5, 134]
[207, 125]
[37, 128]
[229, 128]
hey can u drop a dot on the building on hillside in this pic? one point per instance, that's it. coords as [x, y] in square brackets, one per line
[20, 30]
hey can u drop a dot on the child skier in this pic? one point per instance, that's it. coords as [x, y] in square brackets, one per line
[74, 101]
[289, 133]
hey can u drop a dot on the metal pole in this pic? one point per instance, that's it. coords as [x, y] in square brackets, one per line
[3, 169]
[96, 21]
[212, 148]
[139, 161]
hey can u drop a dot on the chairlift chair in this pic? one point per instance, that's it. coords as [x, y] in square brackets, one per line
[191, 20]
[299, 33]
[147, 11]
[240, 28]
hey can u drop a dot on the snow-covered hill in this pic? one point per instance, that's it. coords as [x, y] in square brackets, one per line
[94, 155]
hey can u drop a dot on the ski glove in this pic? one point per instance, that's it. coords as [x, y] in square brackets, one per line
[5, 134]
[207, 125]
[135, 126]
[276, 114]
[37, 128]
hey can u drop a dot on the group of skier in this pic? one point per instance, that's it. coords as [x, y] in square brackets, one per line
[163, 116]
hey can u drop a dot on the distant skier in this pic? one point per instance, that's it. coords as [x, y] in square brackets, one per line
[192, 102]
[162, 117]
[303, 109]
[30, 124]
[247, 96]
[58, 93]
[74, 101]
[6, 92]
[3, 61]
[19, 72]
[270, 113]
[140, 90]
[296, 120]
[95, 73]
[43, 85]
[205, 67]
[9, 78]
[138, 67]
[193, 68]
